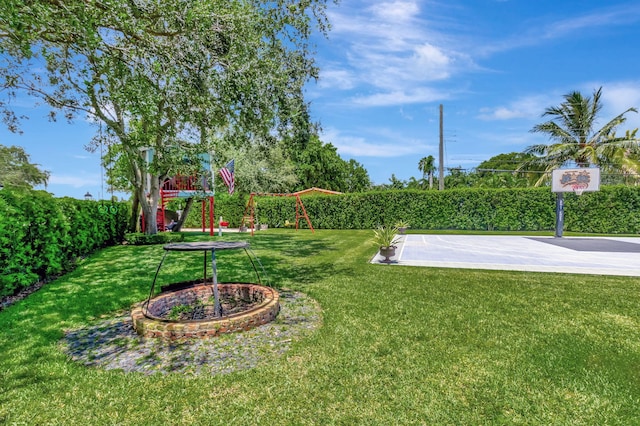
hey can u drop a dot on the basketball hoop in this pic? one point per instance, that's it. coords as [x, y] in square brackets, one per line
[578, 189]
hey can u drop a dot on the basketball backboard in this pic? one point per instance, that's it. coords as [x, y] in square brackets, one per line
[575, 180]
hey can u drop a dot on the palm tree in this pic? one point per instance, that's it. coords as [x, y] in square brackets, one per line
[575, 140]
[426, 166]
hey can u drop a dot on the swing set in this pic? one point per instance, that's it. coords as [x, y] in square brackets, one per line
[248, 218]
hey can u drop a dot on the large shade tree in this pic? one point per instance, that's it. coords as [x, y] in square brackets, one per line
[576, 140]
[161, 76]
[318, 164]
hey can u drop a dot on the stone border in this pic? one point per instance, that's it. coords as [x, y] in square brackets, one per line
[113, 344]
[154, 327]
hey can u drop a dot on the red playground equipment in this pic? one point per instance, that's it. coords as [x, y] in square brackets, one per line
[198, 186]
[185, 187]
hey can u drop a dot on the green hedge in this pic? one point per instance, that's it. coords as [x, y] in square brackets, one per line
[613, 209]
[140, 239]
[42, 236]
[465, 209]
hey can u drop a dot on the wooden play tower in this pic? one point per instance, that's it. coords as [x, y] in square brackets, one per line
[197, 186]
[186, 187]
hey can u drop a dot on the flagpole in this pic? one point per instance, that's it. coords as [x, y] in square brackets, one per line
[213, 197]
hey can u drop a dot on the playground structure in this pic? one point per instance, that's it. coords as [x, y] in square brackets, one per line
[248, 218]
[198, 186]
[186, 187]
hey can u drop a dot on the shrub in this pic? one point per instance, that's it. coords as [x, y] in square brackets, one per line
[138, 238]
[42, 236]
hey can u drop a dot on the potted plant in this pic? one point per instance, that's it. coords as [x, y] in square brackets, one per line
[263, 224]
[402, 226]
[385, 238]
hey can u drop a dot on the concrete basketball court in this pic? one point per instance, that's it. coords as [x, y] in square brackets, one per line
[576, 255]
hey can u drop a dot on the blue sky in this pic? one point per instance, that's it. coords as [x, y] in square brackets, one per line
[494, 65]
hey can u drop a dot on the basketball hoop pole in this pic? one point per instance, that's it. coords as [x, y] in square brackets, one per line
[559, 214]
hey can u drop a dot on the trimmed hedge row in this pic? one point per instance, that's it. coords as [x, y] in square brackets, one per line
[42, 236]
[613, 209]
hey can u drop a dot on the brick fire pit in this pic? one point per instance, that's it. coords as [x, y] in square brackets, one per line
[154, 320]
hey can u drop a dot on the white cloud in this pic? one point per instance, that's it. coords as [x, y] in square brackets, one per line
[336, 79]
[417, 95]
[404, 115]
[618, 97]
[509, 139]
[433, 60]
[530, 107]
[386, 144]
[74, 180]
[396, 11]
[391, 50]
[541, 32]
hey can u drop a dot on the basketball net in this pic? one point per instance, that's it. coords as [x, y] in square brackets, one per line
[579, 189]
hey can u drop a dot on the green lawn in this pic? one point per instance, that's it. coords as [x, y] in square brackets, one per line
[398, 345]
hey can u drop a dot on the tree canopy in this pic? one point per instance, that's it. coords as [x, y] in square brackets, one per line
[162, 76]
[319, 165]
[17, 170]
[575, 139]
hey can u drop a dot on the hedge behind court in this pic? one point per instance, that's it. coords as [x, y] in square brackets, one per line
[613, 209]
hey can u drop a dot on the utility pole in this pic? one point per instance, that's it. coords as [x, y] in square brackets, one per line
[441, 153]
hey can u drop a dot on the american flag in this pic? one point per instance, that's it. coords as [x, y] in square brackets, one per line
[227, 175]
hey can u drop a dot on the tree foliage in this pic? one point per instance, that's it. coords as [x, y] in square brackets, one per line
[259, 168]
[427, 166]
[319, 165]
[575, 140]
[17, 170]
[161, 75]
[502, 171]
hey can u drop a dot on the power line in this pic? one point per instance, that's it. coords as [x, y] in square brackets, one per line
[511, 171]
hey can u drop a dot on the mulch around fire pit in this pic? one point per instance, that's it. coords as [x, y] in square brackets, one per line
[114, 344]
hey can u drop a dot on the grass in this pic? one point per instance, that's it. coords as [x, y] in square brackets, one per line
[399, 345]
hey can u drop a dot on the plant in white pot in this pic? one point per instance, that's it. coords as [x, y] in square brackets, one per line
[263, 224]
[385, 237]
[402, 226]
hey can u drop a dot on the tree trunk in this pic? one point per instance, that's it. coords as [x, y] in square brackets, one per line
[149, 204]
[183, 216]
[430, 180]
[135, 212]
